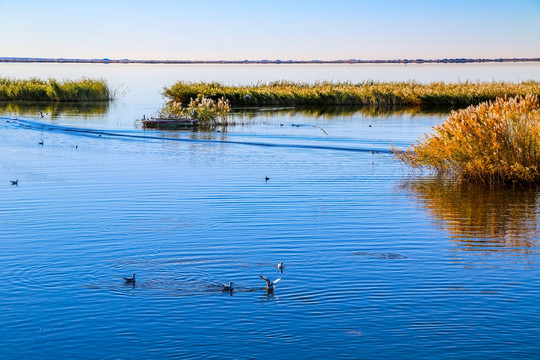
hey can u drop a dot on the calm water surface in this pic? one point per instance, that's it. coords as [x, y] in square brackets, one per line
[380, 263]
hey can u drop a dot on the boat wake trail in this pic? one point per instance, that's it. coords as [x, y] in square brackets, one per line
[35, 125]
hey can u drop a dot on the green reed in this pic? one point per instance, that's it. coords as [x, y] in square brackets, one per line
[34, 89]
[491, 143]
[368, 93]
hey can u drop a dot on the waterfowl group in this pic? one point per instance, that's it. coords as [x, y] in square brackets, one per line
[270, 285]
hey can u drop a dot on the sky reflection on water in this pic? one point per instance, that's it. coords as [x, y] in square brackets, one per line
[380, 261]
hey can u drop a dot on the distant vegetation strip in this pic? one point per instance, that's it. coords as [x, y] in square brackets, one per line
[85, 89]
[265, 61]
[368, 93]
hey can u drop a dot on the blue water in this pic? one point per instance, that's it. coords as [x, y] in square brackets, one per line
[381, 263]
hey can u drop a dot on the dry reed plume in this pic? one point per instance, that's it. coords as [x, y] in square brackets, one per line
[491, 143]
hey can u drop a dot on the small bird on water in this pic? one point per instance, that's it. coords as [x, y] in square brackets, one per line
[267, 178]
[130, 280]
[280, 266]
[227, 287]
[269, 284]
[15, 182]
[41, 143]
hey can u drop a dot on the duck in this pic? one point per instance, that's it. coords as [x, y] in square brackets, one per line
[227, 287]
[280, 266]
[131, 279]
[269, 284]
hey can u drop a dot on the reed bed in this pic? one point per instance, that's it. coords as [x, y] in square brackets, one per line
[368, 93]
[34, 89]
[492, 143]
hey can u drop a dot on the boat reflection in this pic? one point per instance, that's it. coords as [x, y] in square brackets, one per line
[480, 219]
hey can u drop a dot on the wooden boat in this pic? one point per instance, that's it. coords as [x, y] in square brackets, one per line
[169, 123]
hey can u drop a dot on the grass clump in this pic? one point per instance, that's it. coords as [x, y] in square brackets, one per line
[492, 143]
[367, 93]
[34, 89]
[208, 111]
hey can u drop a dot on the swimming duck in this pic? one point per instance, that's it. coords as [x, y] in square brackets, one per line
[227, 287]
[130, 279]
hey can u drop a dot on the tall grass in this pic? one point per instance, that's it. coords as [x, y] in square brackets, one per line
[368, 93]
[491, 143]
[34, 89]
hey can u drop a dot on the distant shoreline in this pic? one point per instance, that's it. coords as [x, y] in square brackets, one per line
[349, 61]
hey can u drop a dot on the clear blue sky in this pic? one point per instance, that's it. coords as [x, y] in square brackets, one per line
[277, 29]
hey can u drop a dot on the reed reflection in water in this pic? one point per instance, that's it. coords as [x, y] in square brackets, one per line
[339, 111]
[501, 220]
[54, 109]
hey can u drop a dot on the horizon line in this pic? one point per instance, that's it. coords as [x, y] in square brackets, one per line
[264, 61]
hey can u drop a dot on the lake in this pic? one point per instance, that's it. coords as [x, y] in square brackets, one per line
[380, 262]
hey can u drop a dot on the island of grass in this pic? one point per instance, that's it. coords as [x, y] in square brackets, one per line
[492, 143]
[368, 93]
[83, 90]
